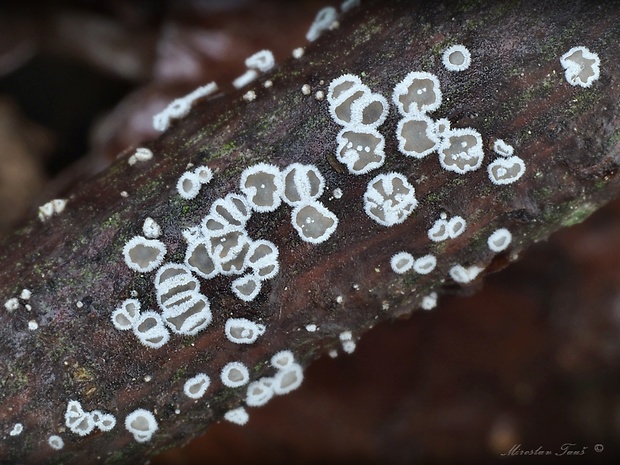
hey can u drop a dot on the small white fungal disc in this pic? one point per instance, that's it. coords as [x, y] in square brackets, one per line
[461, 150]
[150, 330]
[429, 302]
[245, 78]
[55, 442]
[361, 150]
[51, 208]
[262, 184]
[499, 240]
[238, 416]
[232, 213]
[126, 315]
[464, 275]
[506, 170]
[235, 374]
[104, 421]
[173, 283]
[417, 136]
[259, 392]
[456, 58]
[188, 185]
[142, 424]
[243, 331]
[389, 199]
[502, 148]
[283, 359]
[419, 92]
[141, 154]
[401, 262]
[582, 67]
[12, 304]
[196, 387]
[151, 229]
[144, 255]
[199, 260]
[190, 316]
[443, 229]
[313, 222]
[425, 264]
[204, 174]
[181, 106]
[302, 183]
[262, 257]
[346, 88]
[262, 61]
[17, 429]
[322, 22]
[288, 379]
[77, 420]
[246, 287]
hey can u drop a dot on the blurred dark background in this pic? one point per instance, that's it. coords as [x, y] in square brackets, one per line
[531, 360]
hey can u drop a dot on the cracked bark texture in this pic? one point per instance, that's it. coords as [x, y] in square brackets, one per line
[514, 90]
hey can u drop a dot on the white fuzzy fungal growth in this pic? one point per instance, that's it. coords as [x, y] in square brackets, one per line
[204, 173]
[142, 424]
[150, 330]
[389, 199]
[180, 107]
[360, 149]
[322, 22]
[262, 184]
[239, 416]
[499, 240]
[25, 294]
[243, 331]
[506, 170]
[141, 154]
[17, 429]
[55, 442]
[464, 275]
[401, 262]
[302, 183]
[144, 255]
[298, 53]
[33, 325]
[311, 328]
[348, 344]
[444, 229]
[77, 420]
[262, 61]
[51, 208]
[461, 150]
[246, 78]
[419, 92]
[282, 360]
[502, 148]
[288, 379]
[104, 421]
[196, 387]
[425, 264]
[234, 374]
[456, 58]
[151, 229]
[582, 67]
[417, 136]
[12, 304]
[246, 287]
[259, 392]
[429, 302]
[249, 96]
[188, 185]
[313, 222]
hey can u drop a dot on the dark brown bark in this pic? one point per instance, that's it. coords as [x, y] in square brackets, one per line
[514, 90]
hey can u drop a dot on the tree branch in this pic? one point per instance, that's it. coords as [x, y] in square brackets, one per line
[60, 345]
